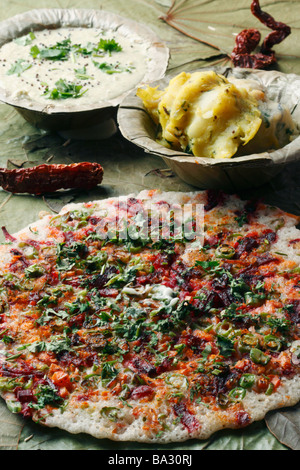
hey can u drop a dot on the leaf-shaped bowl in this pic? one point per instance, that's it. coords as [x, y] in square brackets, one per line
[231, 174]
[65, 114]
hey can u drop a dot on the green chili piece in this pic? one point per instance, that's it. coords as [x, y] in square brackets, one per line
[135, 249]
[222, 400]
[247, 380]
[254, 299]
[225, 251]
[270, 389]
[110, 412]
[247, 342]
[89, 376]
[258, 357]
[272, 342]
[14, 406]
[177, 380]
[237, 393]
[7, 384]
[224, 328]
[34, 271]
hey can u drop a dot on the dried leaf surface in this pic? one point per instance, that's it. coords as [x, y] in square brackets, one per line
[285, 425]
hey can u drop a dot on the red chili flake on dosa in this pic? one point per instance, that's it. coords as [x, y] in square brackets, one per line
[187, 419]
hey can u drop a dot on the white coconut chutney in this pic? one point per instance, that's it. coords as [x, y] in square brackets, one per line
[82, 66]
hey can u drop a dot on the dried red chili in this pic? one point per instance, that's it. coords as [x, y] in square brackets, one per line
[248, 39]
[49, 178]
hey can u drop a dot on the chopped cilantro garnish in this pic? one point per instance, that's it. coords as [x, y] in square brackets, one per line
[47, 396]
[242, 219]
[109, 45]
[108, 371]
[64, 89]
[25, 40]
[112, 68]
[82, 75]
[60, 51]
[226, 345]
[19, 67]
[208, 266]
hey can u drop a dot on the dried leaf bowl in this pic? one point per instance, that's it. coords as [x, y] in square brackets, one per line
[71, 114]
[236, 173]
